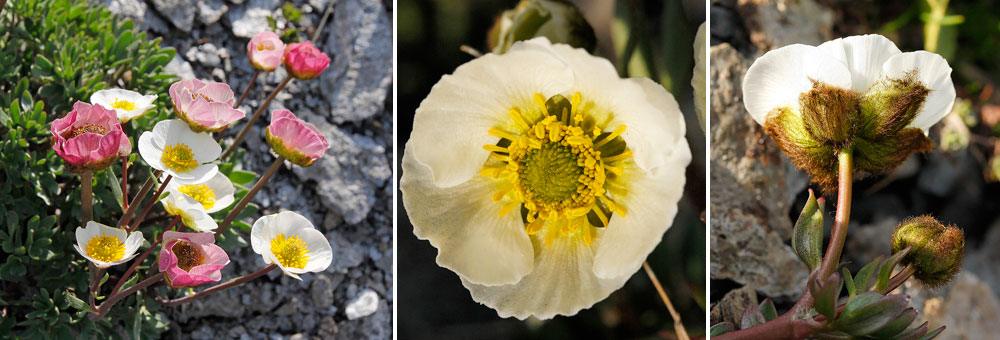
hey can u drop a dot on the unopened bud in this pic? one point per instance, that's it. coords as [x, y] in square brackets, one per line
[559, 21]
[936, 250]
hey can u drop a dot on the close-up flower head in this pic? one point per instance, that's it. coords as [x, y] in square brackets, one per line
[127, 104]
[858, 92]
[205, 106]
[106, 246]
[180, 152]
[191, 259]
[266, 51]
[195, 201]
[89, 138]
[295, 139]
[291, 242]
[304, 61]
[539, 168]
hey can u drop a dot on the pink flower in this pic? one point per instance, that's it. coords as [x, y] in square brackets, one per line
[304, 61]
[265, 51]
[205, 106]
[300, 142]
[89, 138]
[191, 259]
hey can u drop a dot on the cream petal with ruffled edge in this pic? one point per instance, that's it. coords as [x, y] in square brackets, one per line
[463, 223]
[141, 102]
[131, 242]
[451, 125]
[777, 78]
[266, 228]
[173, 131]
[934, 72]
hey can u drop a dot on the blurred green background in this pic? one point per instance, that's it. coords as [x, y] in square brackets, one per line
[656, 38]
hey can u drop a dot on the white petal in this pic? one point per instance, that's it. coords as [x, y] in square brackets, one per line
[149, 151]
[320, 252]
[110, 231]
[652, 205]
[450, 126]
[199, 174]
[934, 72]
[654, 125]
[778, 77]
[199, 220]
[258, 235]
[133, 242]
[864, 56]
[562, 283]
[463, 223]
[203, 146]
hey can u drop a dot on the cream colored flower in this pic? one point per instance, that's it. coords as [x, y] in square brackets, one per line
[292, 242]
[177, 150]
[195, 201]
[127, 104]
[542, 178]
[698, 78]
[106, 246]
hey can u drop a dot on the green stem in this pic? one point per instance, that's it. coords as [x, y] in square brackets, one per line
[932, 28]
[86, 197]
[135, 264]
[218, 287]
[103, 309]
[839, 233]
[246, 199]
[249, 124]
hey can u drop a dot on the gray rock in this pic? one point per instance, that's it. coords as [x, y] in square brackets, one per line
[364, 305]
[179, 67]
[138, 12]
[321, 291]
[730, 308]
[776, 23]
[180, 12]
[967, 306]
[361, 72]
[251, 18]
[207, 54]
[210, 11]
[345, 254]
[749, 199]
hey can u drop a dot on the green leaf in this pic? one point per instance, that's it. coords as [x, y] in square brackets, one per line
[848, 282]
[76, 302]
[897, 325]
[751, 317]
[242, 177]
[885, 271]
[825, 294]
[869, 312]
[721, 328]
[864, 279]
[768, 310]
[116, 187]
[807, 237]
[131, 281]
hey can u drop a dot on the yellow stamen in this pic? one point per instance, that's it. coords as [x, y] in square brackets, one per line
[618, 157]
[179, 158]
[618, 131]
[123, 104]
[201, 193]
[290, 251]
[541, 103]
[105, 248]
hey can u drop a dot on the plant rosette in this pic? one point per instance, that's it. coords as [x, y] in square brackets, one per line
[206, 106]
[89, 138]
[290, 241]
[180, 152]
[521, 172]
[858, 92]
[106, 246]
[191, 259]
[127, 104]
[300, 142]
[266, 51]
[193, 202]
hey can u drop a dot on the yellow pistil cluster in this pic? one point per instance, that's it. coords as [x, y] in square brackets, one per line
[105, 248]
[556, 170]
[290, 251]
[188, 256]
[201, 193]
[123, 104]
[179, 158]
[261, 47]
[86, 128]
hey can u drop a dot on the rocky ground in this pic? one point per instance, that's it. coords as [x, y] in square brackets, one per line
[756, 191]
[347, 193]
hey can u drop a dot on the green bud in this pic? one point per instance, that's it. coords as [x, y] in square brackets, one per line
[559, 21]
[936, 250]
[890, 105]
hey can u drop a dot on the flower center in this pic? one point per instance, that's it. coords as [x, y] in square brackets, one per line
[556, 169]
[179, 158]
[261, 47]
[290, 251]
[105, 248]
[201, 193]
[206, 98]
[188, 256]
[123, 104]
[86, 128]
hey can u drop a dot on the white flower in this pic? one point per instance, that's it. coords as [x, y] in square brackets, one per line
[127, 104]
[290, 241]
[698, 78]
[180, 152]
[195, 201]
[106, 246]
[519, 200]
[777, 78]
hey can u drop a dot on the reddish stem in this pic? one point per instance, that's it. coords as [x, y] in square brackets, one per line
[99, 312]
[839, 233]
[249, 124]
[142, 216]
[135, 264]
[137, 200]
[247, 90]
[246, 199]
[125, 182]
[218, 287]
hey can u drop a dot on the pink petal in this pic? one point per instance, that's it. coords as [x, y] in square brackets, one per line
[217, 92]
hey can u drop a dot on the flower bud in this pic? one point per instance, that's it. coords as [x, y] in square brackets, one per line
[266, 51]
[560, 21]
[300, 142]
[305, 61]
[936, 251]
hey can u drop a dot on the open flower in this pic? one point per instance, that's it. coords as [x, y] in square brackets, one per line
[206, 106]
[304, 61]
[106, 246]
[290, 241]
[521, 172]
[191, 259]
[195, 201]
[127, 104]
[180, 152]
[859, 92]
[300, 142]
[266, 51]
[89, 138]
